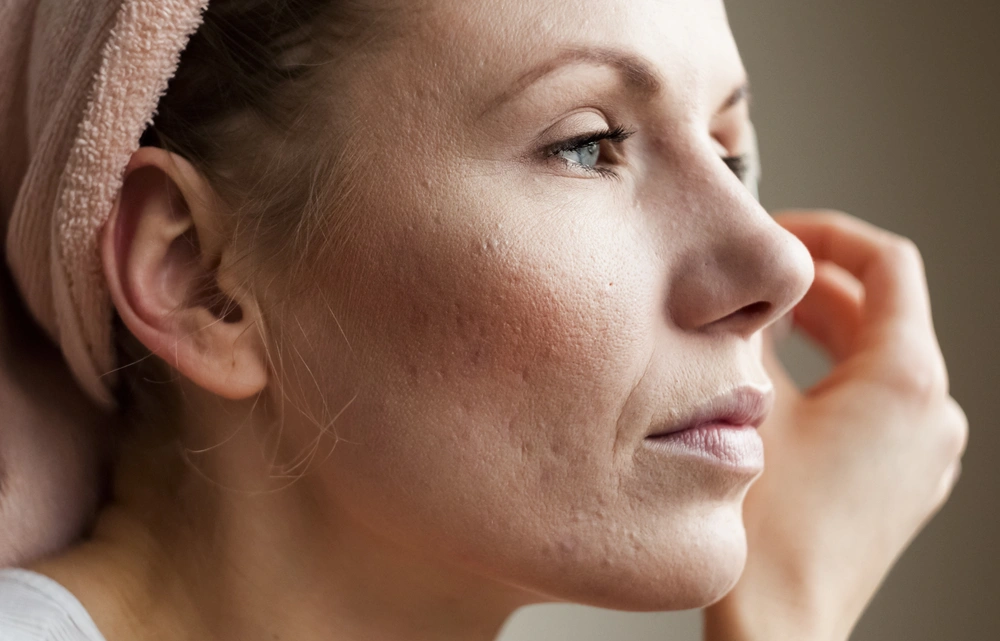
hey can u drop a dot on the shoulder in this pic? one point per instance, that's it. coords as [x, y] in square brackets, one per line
[33, 607]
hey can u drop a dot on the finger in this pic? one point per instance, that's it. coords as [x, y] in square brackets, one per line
[946, 486]
[831, 312]
[956, 425]
[888, 266]
[955, 473]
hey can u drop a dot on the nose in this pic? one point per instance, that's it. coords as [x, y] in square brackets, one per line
[742, 271]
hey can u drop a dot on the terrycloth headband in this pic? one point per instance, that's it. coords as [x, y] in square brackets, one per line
[79, 83]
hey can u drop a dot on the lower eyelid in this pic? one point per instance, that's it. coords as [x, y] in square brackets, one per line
[584, 171]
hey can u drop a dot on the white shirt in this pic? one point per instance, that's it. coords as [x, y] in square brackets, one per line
[33, 607]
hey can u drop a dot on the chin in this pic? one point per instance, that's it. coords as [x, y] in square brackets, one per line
[687, 565]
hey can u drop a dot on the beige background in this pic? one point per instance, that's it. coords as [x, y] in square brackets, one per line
[889, 110]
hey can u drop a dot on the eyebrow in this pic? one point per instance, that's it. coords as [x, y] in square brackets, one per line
[637, 73]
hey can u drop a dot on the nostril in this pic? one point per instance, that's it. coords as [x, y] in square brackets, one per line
[754, 311]
[745, 320]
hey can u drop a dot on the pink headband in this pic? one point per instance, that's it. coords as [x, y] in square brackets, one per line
[79, 83]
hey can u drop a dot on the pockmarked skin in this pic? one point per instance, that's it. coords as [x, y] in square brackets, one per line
[443, 412]
[511, 327]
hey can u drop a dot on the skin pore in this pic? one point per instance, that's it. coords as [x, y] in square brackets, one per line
[477, 365]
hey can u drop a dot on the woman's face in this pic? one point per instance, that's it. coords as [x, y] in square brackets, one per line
[511, 312]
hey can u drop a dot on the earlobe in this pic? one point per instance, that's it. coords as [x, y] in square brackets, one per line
[162, 254]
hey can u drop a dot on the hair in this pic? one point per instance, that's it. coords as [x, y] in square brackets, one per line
[243, 105]
[242, 108]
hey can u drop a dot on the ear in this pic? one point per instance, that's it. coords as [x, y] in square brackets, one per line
[163, 257]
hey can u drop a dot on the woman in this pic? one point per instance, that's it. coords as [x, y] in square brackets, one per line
[528, 371]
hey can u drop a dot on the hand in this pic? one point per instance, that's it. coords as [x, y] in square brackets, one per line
[856, 465]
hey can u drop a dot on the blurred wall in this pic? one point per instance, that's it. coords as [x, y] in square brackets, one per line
[889, 110]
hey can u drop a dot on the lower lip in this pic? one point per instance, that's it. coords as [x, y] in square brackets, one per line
[734, 446]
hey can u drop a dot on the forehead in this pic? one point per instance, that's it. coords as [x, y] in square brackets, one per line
[686, 42]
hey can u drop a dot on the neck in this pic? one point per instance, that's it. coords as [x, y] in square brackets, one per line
[183, 558]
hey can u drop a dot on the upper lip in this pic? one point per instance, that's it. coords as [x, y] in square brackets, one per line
[745, 405]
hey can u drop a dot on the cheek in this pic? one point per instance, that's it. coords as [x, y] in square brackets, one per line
[487, 374]
[494, 362]
[516, 348]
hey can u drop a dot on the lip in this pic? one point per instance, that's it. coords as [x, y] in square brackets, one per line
[740, 407]
[723, 431]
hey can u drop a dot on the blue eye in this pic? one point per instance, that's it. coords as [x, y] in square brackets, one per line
[584, 152]
[586, 155]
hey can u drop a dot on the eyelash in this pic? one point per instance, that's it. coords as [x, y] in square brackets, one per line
[737, 164]
[616, 135]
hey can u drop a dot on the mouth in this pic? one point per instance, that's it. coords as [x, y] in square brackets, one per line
[722, 431]
[742, 407]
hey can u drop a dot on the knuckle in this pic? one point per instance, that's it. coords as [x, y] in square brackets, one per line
[836, 218]
[956, 427]
[922, 380]
[947, 485]
[912, 363]
[941, 496]
[834, 215]
[900, 252]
